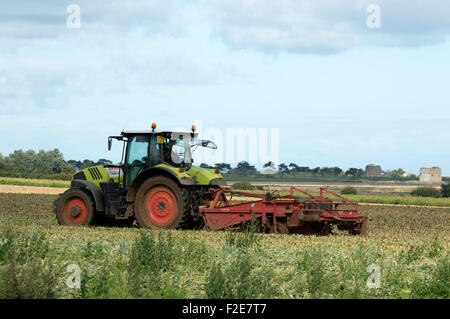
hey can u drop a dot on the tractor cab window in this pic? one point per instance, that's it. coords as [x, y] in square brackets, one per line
[155, 151]
[177, 153]
[138, 150]
[137, 157]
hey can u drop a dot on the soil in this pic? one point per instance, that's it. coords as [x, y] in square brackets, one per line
[12, 189]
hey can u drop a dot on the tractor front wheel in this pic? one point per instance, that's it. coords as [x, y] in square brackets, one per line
[75, 208]
[159, 204]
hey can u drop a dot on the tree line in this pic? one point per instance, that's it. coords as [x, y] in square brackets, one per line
[51, 165]
[245, 169]
[43, 164]
[293, 170]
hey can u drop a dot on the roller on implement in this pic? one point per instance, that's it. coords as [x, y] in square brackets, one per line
[157, 185]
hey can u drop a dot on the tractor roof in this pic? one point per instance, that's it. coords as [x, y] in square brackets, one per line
[163, 133]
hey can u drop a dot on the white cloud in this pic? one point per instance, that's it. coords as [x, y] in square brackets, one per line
[164, 68]
[47, 18]
[319, 26]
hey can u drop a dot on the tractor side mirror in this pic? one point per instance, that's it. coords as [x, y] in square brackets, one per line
[109, 143]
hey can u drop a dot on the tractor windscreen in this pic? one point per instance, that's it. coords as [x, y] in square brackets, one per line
[179, 150]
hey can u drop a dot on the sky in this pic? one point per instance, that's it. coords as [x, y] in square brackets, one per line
[341, 83]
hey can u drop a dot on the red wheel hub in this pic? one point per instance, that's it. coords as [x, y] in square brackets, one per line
[161, 206]
[76, 209]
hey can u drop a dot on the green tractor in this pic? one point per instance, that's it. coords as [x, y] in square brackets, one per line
[155, 184]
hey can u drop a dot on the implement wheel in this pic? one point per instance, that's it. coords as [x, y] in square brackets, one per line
[360, 229]
[75, 208]
[159, 204]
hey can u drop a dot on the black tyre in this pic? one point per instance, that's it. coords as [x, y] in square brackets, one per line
[75, 208]
[159, 204]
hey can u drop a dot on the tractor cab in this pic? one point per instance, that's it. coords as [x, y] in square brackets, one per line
[166, 149]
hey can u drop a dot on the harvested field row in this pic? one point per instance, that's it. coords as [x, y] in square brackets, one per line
[13, 189]
[409, 245]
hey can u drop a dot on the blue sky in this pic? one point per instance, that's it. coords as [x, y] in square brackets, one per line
[339, 92]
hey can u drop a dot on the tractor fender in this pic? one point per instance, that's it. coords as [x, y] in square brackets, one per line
[150, 172]
[95, 191]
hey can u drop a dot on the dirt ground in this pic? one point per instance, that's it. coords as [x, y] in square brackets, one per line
[11, 189]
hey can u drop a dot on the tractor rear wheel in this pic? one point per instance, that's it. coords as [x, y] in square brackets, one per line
[75, 208]
[159, 204]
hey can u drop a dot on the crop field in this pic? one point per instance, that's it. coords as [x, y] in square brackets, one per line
[393, 195]
[33, 182]
[375, 199]
[404, 255]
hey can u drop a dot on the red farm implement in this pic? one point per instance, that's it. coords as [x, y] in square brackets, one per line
[285, 214]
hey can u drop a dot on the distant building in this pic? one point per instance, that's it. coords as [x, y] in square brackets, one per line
[430, 175]
[373, 170]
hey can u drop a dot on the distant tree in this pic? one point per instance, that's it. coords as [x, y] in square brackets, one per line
[68, 169]
[316, 170]
[293, 167]
[283, 168]
[50, 162]
[203, 165]
[396, 174]
[244, 169]
[330, 171]
[87, 163]
[30, 163]
[2, 162]
[304, 169]
[23, 162]
[355, 172]
[103, 161]
[75, 164]
[269, 164]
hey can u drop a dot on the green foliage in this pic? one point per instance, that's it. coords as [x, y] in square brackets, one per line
[24, 271]
[445, 190]
[239, 279]
[43, 164]
[355, 172]
[312, 263]
[246, 239]
[407, 243]
[243, 169]
[414, 253]
[435, 286]
[35, 165]
[397, 174]
[349, 190]
[426, 192]
[150, 258]
[79, 165]
[243, 186]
